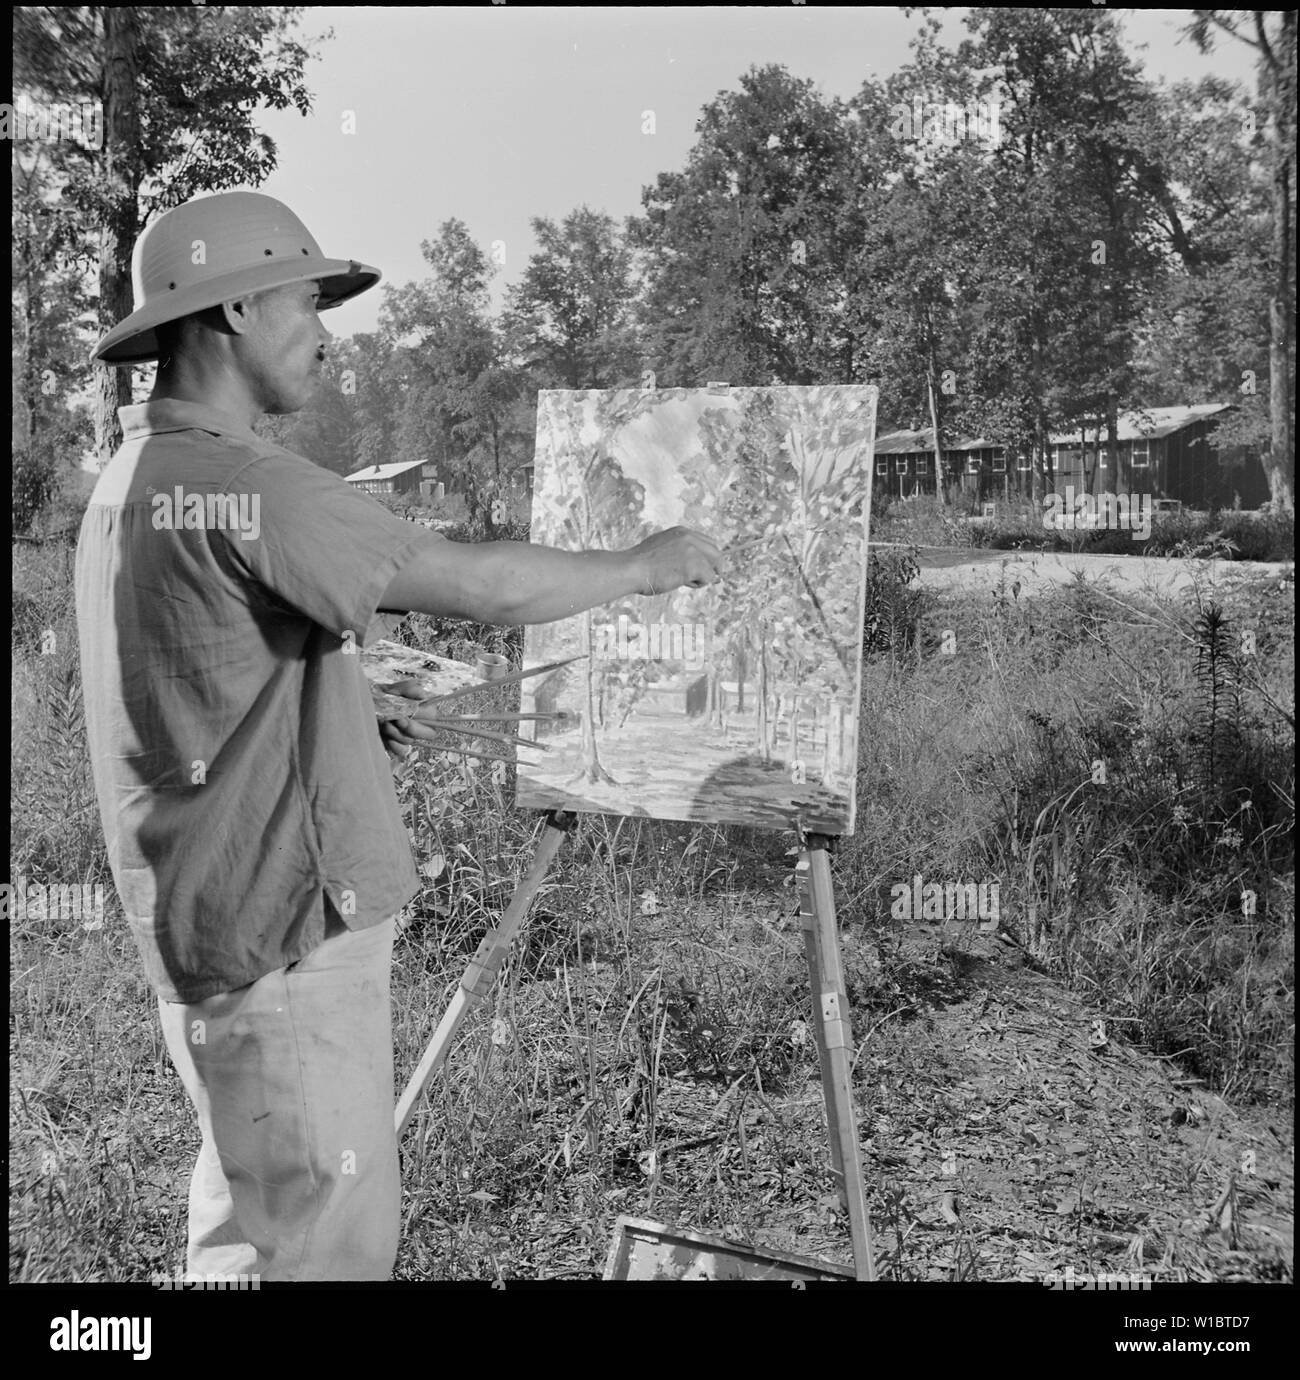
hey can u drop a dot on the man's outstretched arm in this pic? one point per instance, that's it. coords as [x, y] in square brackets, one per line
[510, 582]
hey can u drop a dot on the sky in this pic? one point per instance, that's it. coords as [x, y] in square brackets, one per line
[496, 114]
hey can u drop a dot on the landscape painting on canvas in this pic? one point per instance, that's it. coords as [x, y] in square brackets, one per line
[732, 704]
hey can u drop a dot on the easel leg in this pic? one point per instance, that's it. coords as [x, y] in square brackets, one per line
[834, 1041]
[812, 952]
[483, 968]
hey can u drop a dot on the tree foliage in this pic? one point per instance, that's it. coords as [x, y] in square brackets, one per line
[1118, 244]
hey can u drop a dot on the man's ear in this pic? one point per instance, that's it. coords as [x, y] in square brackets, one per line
[237, 315]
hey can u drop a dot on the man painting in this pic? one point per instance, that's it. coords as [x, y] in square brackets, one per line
[252, 826]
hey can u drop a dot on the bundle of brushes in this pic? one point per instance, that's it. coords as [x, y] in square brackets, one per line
[434, 691]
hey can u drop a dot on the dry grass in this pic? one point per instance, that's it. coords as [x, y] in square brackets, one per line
[645, 1050]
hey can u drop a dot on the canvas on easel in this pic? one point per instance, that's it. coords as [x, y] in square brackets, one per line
[732, 704]
[735, 703]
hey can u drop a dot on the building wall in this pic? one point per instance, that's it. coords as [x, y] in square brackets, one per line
[1202, 476]
[1183, 466]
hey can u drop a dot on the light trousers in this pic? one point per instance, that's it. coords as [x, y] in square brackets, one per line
[292, 1080]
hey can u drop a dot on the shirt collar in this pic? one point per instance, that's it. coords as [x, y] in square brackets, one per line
[171, 414]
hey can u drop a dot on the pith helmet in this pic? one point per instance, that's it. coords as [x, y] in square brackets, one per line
[212, 250]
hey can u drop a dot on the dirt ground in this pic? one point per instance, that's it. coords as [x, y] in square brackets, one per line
[982, 571]
[1006, 1136]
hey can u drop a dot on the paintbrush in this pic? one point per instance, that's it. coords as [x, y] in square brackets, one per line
[503, 717]
[749, 545]
[393, 705]
[482, 685]
[506, 740]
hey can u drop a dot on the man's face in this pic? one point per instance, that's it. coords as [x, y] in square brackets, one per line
[285, 350]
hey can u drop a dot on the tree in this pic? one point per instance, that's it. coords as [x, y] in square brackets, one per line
[1206, 338]
[179, 87]
[51, 426]
[1275, 48]
[1061, 241]
[745, 253]
[569, 315]
[458, 400]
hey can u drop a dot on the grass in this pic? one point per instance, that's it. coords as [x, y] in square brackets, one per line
[647, 1048]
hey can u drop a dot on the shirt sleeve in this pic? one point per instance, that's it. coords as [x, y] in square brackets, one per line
[319, 545]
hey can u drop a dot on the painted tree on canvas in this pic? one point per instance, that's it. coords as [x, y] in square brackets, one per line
[594, 506]
[707, 475]
[828, 436]
[792, 466]
[759, 500]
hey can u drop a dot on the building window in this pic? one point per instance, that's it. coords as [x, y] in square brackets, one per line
[1103, 461]
[1141, 455]
[999, 462]
[900, 464]
[882, 468]
[923, 464]
[1025, 463]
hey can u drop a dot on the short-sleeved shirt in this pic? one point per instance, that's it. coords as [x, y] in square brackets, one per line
[224, 586]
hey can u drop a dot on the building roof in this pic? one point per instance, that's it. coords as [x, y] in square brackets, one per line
[382, 471]
[1161, 421]
[1148, 422]
[919, 442]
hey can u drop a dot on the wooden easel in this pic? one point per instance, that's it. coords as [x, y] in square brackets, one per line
[830, 1012]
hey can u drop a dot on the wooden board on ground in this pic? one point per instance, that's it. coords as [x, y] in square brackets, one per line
[650, 1250]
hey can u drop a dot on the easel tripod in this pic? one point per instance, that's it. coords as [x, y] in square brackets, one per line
[830, 1012]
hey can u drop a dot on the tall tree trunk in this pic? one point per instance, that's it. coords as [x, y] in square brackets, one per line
[122, 171]
[834, 732]
[590, 770]
[31, 377]
[1280, 462]
[1096, 458]
[847, 763]
[1112, 438]
[760, 734]
[932, 389]
[1038, 470]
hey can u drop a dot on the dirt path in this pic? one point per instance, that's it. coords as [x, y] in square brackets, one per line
[1037, 572]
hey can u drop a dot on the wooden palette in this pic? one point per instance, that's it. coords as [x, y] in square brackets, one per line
[388, 663]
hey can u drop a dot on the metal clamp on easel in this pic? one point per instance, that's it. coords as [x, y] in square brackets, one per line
[486, 964]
